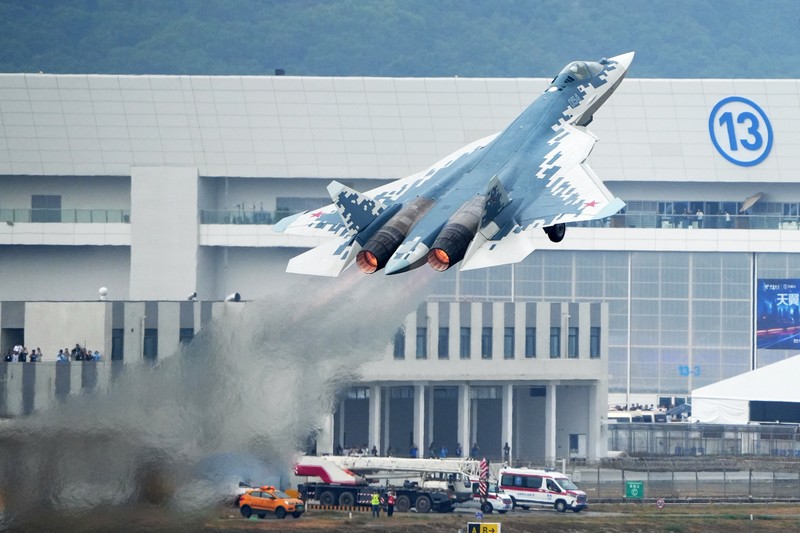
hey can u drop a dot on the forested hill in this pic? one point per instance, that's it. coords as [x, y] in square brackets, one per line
[468, 38]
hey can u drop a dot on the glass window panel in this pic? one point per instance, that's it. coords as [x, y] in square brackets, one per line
[486, 343]
[422, 343]
[464, 343]
[508, 343]
[444, 343]
[530, 342]
[400, 344]
[555, 342]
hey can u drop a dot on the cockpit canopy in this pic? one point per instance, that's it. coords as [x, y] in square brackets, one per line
[575, 71]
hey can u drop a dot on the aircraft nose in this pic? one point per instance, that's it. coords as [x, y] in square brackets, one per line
[624, 60]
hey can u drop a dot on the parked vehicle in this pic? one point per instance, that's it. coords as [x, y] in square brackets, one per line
[341, 486]
[267, 499]
[528, 487]
[496, 500]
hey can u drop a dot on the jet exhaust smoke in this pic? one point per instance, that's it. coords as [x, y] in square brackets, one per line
[235, 404]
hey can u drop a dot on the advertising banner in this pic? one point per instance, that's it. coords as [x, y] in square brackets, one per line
[778, 312]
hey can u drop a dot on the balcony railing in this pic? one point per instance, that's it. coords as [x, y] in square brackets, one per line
[238, 216]
[67, 216]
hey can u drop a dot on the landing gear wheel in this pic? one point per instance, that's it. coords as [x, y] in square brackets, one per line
[280, 512]
[346, 499]
[403, 504]
[486, 507]
[327, 498]
[262, 515]
[423, 504]
[561, 506]
[556, 232]
[297, 514]
[246, 511]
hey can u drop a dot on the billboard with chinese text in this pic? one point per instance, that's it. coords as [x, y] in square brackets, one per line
[778, 314]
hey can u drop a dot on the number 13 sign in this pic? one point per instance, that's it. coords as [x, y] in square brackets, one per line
[740, 131]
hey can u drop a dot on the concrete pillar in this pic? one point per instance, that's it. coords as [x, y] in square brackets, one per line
[519, 331]
[134, 331]
[410, 327]
[169, 328]
[473, 423]
[464, 419]
[419, 418]
[375, 416]
[550, 425]
[476, 329]
[325, 436]
[594, 424]
[431, 436]
[508, 418]
[455, 332]
[340, 435]
[387, 421]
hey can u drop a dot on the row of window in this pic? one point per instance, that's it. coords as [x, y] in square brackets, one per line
[487, 348]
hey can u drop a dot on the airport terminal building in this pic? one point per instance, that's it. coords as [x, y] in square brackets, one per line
[162, 187]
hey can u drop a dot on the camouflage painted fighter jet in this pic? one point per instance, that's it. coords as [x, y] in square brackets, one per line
[481, 205]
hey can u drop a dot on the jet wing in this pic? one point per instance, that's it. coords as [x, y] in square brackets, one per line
[572, 191]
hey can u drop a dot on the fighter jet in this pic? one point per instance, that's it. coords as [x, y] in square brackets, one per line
[483, 205]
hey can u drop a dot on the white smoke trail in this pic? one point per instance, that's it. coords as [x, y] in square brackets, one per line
[253, 385]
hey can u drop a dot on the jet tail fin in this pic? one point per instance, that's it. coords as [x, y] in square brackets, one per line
[356, 209]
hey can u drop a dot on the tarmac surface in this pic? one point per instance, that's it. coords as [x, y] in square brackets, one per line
[674, 518]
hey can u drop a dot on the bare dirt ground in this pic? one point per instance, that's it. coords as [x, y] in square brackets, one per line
[674, 518]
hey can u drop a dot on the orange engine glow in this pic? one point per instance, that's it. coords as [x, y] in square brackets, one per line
[438, 259]
[367, 262]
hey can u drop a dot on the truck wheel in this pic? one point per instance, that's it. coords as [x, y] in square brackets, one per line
[246, 511]
[280, 512]
[327, 498]
[487, 508]
[561, 506]
[346, 499]
[403, 504]
[423, 504]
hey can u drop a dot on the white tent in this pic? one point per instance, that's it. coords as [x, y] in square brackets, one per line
[728, 401]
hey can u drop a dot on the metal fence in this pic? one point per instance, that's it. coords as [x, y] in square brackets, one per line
[683, 439]
[66, 216]
[688, 479]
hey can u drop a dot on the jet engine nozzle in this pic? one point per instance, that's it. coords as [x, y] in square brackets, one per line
[379, 248]
[452, 243]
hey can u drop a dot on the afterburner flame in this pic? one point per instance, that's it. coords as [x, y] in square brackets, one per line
[367, 262]
[438, 259]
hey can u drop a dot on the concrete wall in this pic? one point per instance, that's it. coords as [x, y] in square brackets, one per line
[164, 238]
[58, 273]
[77, 192]
[84, 323]
[529, 425]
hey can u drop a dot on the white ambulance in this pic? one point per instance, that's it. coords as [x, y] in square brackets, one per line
[528, 487]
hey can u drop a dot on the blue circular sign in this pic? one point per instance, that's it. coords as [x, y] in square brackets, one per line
[740, 131]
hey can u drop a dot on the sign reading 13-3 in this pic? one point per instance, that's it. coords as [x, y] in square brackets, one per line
[740, 131]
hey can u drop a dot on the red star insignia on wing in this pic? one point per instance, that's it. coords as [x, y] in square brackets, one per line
[593, 203]
[316, 214]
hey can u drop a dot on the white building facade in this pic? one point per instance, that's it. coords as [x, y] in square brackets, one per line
[158, 187]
